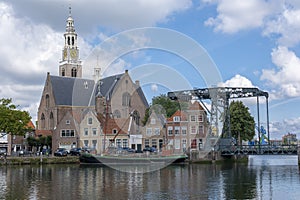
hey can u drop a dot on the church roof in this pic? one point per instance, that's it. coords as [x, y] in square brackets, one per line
[108, 84]
[73, 91]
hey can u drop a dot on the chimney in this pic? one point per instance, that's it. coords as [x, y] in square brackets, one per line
[137, 82]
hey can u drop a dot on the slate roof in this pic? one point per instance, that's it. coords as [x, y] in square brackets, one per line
[73, 91]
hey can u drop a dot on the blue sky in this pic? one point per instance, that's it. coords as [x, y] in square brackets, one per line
[252, 43]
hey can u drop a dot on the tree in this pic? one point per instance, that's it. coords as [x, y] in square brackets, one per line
[163, 105]
[242, 124]
[12, 120]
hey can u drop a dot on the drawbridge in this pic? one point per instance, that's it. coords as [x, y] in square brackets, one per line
[219, 98]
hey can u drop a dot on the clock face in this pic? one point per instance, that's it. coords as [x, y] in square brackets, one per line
[65, 54]
[73, 53]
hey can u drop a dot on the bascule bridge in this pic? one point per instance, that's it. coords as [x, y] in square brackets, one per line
[219, 135]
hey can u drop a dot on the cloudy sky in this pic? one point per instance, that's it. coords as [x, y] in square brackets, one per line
[251, 43]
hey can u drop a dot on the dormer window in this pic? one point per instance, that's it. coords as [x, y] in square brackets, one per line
[176, 119]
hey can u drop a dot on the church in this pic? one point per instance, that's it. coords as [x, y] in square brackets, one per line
[79, 112]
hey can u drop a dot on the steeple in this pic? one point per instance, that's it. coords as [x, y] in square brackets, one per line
[70, 64]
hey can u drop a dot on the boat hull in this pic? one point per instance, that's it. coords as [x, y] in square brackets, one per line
[128, 160]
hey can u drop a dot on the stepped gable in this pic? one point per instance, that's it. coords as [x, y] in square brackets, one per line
[70, 91]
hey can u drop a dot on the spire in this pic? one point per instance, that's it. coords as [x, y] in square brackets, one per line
[70, 64]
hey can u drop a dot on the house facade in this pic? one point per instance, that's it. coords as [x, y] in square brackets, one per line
[187, 129]
[154, 131]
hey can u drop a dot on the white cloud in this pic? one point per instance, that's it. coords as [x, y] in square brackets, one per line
[286, 78]
[287, 26]
[237, 15]
[237, 81]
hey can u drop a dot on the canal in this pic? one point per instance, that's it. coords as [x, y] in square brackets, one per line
[194, 181]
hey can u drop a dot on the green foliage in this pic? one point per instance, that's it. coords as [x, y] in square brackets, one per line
[169, 106]
[40, 141]
[242, 124]
[163, 105]
[12, 120]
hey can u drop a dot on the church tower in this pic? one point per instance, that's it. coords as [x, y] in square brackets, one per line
[70, 65]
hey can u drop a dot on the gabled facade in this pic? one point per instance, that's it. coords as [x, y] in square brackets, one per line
[121, 105]
[154, 132]
[90, 131]
[187, 129]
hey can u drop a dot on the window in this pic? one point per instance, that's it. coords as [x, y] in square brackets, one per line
[156, 131]
[47, 101]
[200, 129]
[63, 72]
[94, 131]
[42, 121]
[73, 72]
[51, 121]
[170, 130]
[177, 144]
[193, 143]
[125, 143]
[67, 121]
[118, 142]
[193, 118]
[114, 131]
[90, 120]
[184, 145]
[67, 133]
[117, 114]
[146, 142]
[154, 143]
[177, 129]
[183, 130]
[176, 119]
[200, 144]
[193, 129]
[86, 131]
[149, 131]
[126, 99]
[153, 121]
[94, 142]
[200, 118]
[86, 143]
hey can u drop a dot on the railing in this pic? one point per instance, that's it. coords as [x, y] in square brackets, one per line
[258, 150]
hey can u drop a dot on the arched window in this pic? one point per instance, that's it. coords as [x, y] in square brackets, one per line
[74, 72]
[73, 40]
[117, 114]
[47, 101]
[42, 121]
[136, 117]
[68, 40]
[63, 72]
[51, 120]
[126, 99]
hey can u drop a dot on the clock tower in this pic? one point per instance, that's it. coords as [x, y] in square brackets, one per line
[70, 65]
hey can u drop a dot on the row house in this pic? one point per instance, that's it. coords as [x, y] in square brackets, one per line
[187, 129]
[154, 131]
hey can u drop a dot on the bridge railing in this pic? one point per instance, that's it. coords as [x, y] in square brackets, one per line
[258, 149]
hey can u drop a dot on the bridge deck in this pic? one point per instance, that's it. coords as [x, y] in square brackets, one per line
[258, 150]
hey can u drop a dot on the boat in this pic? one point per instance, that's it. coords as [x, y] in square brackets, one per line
[131, 159]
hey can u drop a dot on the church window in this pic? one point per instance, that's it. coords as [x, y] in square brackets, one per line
[126, 99]
[73, 40]
[68, 40]
[51, 120]
[136, 117]
[47, 101]
[63, 72]
[117, 114]
[74, 72]
[42, 121]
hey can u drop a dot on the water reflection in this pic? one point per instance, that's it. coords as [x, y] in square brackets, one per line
[226, 181]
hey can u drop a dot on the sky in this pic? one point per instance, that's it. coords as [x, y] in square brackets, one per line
[253, 43]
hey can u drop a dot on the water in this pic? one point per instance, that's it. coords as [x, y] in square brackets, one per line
[226, 181]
